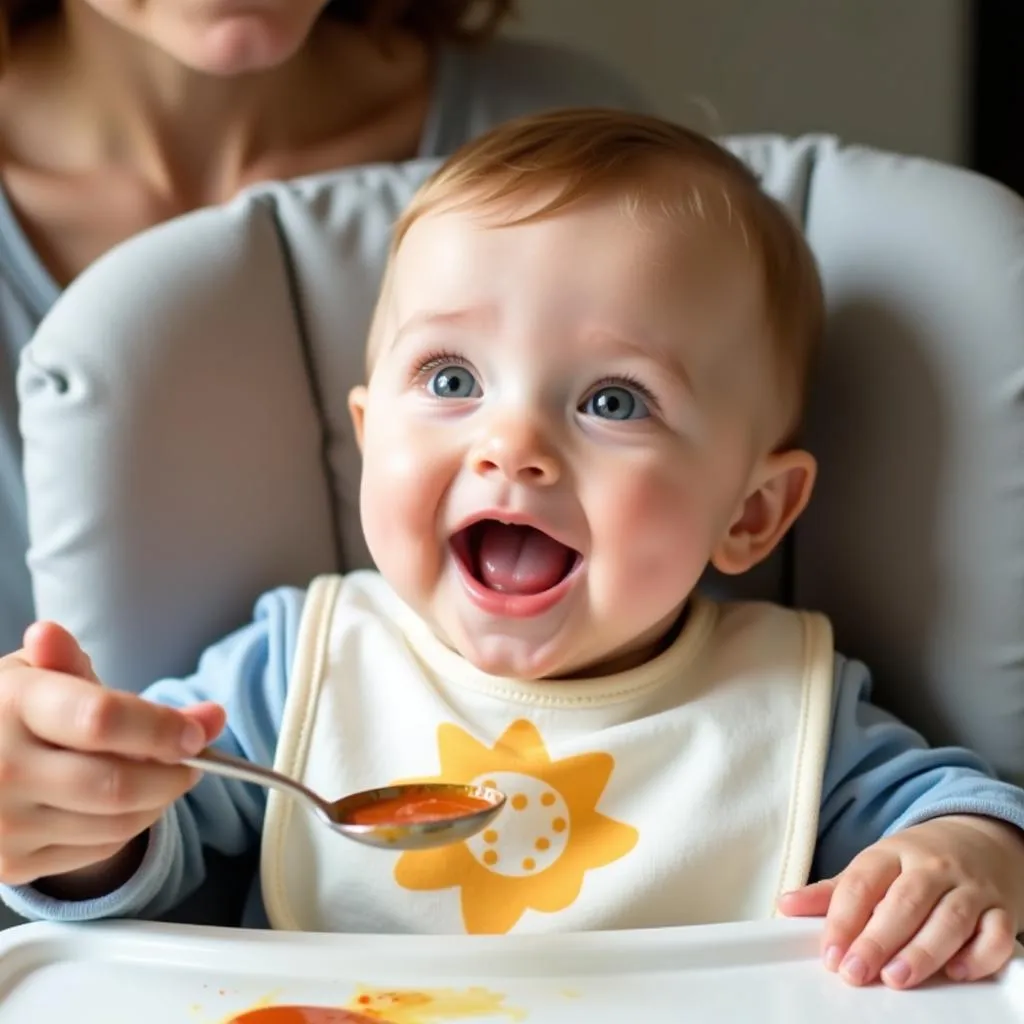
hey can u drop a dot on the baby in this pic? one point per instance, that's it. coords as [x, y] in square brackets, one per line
[585, 380]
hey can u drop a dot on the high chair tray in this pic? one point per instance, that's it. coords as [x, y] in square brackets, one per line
[132, 973]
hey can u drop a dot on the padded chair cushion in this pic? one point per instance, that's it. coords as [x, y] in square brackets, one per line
[187, 442]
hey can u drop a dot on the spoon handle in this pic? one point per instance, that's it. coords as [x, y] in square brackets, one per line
[218, 763]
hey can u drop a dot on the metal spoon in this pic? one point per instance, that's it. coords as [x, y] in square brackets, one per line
[396, 835]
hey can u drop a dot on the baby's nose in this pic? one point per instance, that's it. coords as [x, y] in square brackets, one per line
[517, 451]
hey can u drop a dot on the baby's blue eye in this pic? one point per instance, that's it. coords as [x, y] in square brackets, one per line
[615, 403]
[453, 382]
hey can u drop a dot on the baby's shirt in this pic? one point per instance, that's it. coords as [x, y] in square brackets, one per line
[685, 791]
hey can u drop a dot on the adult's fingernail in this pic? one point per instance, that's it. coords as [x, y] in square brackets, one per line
[897, 972]
[193, 739]
[854, 970]
[833, 955]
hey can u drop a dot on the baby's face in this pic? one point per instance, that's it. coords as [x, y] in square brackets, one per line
[563, 423]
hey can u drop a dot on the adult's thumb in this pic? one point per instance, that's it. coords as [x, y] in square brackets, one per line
[49, 646]
[210, 718]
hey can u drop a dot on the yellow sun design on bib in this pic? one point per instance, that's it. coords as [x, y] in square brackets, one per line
[535, 854]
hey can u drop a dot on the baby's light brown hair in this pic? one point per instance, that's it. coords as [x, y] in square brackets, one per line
[567, 156]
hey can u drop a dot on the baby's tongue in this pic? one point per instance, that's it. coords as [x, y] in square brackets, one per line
[520, 559]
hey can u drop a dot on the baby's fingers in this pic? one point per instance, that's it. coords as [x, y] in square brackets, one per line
[859, 889]
[947, 928]
[988, 951]
[810, 901]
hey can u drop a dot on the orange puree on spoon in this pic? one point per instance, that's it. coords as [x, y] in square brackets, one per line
[415, 809]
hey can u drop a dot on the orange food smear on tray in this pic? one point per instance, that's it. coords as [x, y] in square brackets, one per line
[416, 809]
[392, 1006]
[301, 1015]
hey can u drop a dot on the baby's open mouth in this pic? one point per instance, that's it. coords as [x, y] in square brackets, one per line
[513, 559]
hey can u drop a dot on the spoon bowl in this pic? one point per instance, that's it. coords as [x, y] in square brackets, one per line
[411, 816]
[449, 813]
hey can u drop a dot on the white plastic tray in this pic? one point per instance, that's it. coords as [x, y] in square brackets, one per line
[129, 973]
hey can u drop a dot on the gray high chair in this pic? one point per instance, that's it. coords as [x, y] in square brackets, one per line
[187, 442]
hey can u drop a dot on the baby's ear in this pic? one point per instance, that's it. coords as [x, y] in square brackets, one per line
[780, 492]
[357, 410]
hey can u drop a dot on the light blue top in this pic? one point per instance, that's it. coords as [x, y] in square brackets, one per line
[474, 89]
[880, 776]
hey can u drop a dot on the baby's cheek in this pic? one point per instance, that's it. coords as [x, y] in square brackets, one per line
[656, 531]
[399, 500]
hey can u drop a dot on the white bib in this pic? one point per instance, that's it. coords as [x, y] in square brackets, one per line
[685, 791]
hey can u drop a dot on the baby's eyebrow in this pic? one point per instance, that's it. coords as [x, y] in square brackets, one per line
[466, 318]
[654, 350]
[469, 316]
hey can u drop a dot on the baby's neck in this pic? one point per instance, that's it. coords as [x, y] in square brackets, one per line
[644, 651]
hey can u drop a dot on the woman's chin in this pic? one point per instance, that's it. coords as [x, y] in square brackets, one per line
[238, 46]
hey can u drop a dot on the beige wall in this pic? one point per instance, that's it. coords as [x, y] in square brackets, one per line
[890, 73]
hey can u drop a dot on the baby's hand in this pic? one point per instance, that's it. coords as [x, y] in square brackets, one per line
[944, 895]
[83, 770]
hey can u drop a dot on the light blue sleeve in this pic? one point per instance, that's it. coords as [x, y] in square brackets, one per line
[247, 673]
[882, 777]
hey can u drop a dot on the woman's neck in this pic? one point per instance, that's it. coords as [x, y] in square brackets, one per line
[197, 138]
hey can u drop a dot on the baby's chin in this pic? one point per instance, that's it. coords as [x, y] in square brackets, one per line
[511, 657]
[507, 659]
[525, 660]
[563, 644]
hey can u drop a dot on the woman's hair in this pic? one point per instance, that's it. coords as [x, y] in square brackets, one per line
[432, 20]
